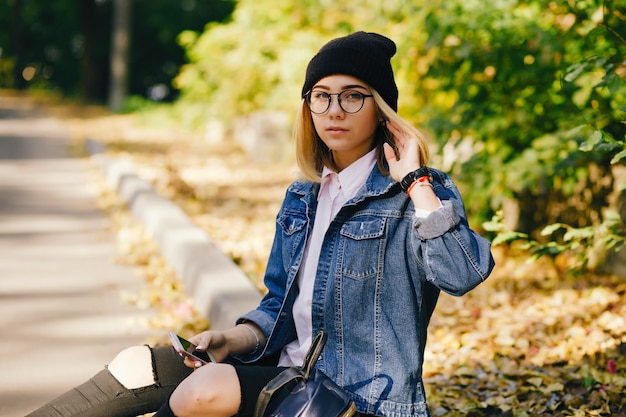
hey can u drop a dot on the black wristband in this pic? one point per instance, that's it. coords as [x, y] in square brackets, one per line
[411, 177]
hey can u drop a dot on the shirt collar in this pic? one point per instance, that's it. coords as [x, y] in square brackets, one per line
[352, 177]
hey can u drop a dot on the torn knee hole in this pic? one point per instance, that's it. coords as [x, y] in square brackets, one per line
[133, 367]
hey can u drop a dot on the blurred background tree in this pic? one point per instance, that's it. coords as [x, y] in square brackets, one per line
[64, 46]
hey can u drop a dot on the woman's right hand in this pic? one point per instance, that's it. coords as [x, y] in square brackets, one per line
[213, 341]
[241, 339]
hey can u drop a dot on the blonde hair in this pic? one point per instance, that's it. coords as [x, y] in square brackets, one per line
[312, 154]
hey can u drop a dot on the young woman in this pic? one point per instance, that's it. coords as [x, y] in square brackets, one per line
[364, 243]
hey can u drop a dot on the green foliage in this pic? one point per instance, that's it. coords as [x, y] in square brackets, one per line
[602, 142]
[237, 71]
[7, 66]
[519, 78]
[258, 60]
[138, 104]
[585, 243]
[496, 77]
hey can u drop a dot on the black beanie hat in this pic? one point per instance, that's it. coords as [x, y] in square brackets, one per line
[363, 55]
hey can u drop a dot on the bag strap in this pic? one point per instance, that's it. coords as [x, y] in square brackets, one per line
[272, 387]
[291, 374]
[313, 354]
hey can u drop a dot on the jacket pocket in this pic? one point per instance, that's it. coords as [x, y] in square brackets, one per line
[292, 231]
[362, 247]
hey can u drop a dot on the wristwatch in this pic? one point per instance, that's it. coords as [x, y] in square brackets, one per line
[411, 177]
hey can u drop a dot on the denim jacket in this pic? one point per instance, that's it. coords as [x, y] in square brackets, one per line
[378, 280]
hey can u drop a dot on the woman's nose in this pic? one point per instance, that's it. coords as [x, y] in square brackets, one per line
[335, 108]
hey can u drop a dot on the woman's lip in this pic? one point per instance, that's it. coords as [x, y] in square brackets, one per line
[335, 132]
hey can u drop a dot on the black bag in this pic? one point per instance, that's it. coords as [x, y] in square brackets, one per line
[307, 392]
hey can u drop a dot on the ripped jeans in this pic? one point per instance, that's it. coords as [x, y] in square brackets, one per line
[104, 395]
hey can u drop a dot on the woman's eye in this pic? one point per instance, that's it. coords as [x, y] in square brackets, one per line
[352, 96]
[320, 95]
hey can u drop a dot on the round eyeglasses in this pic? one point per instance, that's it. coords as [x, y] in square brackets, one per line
[350, 101]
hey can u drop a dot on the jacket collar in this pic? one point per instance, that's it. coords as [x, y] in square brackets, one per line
[375, 185]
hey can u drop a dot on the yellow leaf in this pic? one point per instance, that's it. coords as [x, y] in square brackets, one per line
[555, 387]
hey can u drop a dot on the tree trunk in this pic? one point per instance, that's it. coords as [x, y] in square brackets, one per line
[92, 76]
[120, 52]
[18, 39]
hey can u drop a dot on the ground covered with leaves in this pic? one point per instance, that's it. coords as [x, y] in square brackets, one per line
[531, 341]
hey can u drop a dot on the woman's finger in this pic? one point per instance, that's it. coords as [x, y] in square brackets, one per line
[401, 139]
[395, 130]
[202, 340]
[390, 154]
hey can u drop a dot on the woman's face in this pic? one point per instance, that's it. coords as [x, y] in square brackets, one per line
[348, 135]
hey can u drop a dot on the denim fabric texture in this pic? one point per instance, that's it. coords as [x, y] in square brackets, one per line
[378, 280]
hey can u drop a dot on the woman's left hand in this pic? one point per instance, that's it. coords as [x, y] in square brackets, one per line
[408, 153]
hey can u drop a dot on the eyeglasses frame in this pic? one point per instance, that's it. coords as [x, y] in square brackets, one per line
[307, 98]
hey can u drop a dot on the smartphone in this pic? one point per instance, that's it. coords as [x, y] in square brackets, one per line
[187, 349]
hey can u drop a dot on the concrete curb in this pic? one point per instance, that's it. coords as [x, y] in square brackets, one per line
[218, 288]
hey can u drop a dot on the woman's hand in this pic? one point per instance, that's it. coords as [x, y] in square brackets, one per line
[213, 341]
[407, 152]
[408, 160]
[241, 339]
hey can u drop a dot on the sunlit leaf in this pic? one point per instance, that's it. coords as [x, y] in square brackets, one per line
[548, 230]
[618, 157]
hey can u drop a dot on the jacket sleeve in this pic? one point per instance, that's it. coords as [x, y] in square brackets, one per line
[271, 315]
[455, 258]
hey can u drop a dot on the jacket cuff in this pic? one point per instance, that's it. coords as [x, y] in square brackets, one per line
[438, 222]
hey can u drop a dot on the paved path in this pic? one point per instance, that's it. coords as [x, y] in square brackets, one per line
[61, 317]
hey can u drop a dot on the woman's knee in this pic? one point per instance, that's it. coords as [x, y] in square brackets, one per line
[132, 367]
[212, 390]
